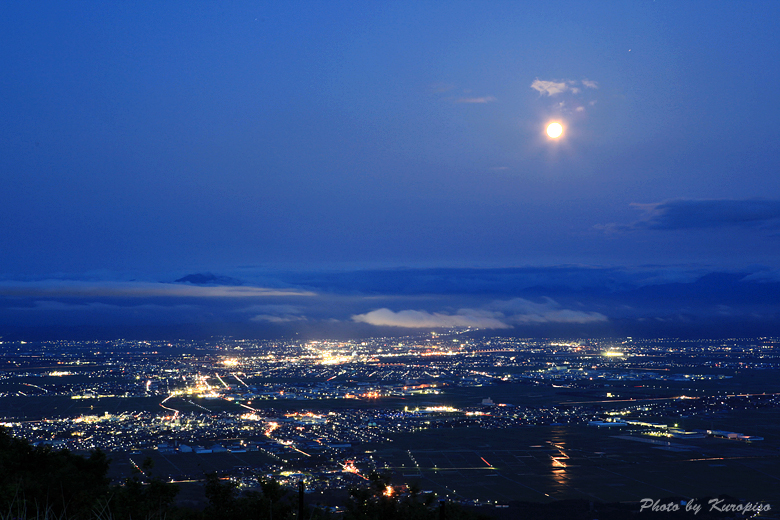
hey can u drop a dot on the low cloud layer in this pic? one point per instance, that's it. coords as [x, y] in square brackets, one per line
[79, 289]
[655, 300]
[522, 311]
[427, 320]
[700, 214]
[275, 313]
[497, 315]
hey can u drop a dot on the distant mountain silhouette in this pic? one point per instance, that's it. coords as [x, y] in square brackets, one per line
[208, 279]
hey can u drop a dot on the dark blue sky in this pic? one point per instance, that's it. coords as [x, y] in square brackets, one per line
[144, 141]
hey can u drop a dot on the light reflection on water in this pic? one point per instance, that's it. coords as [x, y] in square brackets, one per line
[559, 460]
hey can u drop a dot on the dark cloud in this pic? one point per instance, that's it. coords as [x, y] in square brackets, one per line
[700, 214]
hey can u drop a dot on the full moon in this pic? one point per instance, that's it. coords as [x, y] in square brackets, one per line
[554, 130]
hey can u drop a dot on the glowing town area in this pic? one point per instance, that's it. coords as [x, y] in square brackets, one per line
[480, 420]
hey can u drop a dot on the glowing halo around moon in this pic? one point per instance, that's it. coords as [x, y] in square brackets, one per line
[554, 130]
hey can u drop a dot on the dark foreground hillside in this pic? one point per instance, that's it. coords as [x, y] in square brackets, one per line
[41, 483]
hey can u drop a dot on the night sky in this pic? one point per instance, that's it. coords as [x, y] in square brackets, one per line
[355, 168]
